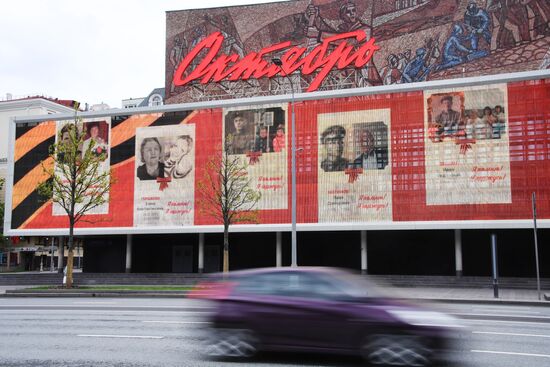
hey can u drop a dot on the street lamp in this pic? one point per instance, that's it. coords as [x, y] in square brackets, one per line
[294, 251]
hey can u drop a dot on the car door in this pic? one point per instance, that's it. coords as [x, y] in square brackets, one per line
[298, 310]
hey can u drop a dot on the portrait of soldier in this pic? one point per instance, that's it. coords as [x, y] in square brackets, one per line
[448, 120]
[239, 137]
[332, 140]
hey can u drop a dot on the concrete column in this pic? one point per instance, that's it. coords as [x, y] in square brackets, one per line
[279, 250]
[458, 252]
[60, 254]
[201, 253]
[364, 266]
[129, 253]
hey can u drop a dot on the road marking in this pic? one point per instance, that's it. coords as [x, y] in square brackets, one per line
[95, 303]
[121, 336]
[101, 312]
[511, 334]
[505, 322]
[511, 353]
[175, 322]
[500, 310]
[83, 306]
[500, 315]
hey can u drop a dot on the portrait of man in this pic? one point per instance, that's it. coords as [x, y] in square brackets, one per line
[448, 120]
[332, 140]
[371, 157]
[152, 166]
[239, 137]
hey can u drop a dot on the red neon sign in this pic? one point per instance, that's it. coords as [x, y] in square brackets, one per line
[253, 65]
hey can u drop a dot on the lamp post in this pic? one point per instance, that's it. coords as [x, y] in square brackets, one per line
[294, 250]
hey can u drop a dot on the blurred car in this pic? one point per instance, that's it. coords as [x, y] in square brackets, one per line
[322, 310]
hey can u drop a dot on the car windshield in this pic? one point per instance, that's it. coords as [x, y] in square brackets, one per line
[308, 284]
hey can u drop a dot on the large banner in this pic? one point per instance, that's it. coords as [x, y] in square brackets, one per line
[460, 154]
[354, 166]
[164, 188]
[467, 149]
[96, 133]
[257, 136]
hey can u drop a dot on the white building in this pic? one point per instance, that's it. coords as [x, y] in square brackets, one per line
[19, 107]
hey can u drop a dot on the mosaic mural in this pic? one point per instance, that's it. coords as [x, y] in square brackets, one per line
[419, 40]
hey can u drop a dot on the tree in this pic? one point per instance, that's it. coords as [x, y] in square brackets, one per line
[227, 195]
[3, 240]
[78, 179]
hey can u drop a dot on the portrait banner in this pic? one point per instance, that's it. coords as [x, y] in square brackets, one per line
[259, 138]
[467, 152]
[354, 172]
[96, 133]
[164, 189]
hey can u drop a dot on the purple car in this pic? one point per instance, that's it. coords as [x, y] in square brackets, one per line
[322, 310]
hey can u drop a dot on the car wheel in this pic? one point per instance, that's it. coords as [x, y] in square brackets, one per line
[395, 350]
[231, 343]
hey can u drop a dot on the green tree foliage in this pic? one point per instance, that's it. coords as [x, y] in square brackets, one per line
[226, 194]
[78, 181]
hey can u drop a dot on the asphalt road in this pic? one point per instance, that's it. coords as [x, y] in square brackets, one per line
[166, 332]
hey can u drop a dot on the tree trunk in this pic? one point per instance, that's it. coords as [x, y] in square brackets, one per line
[9, 260]
[70, 255]
[60, 255]
[70, 268]
[225, 249]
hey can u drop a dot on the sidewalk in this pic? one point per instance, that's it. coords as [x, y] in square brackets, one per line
[459, 295]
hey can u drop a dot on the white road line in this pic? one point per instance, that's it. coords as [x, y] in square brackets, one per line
[70, 305]
[500, 310]
[120, 336]
[510, 334]
[500, 315]
[109, 311]
[511, 353]
[95, 303]
[507, 322]
[175, 322]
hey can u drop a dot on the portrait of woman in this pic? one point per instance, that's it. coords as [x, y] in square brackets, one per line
[151, 157]
[99, 146]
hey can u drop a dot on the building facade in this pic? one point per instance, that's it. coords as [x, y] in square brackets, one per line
[25, 253]
[422, 128]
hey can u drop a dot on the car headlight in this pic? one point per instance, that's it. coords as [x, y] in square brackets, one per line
[425, 318]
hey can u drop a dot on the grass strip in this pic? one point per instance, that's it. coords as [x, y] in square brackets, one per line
[119, 288]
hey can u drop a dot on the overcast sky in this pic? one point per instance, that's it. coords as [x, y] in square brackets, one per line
[90, 51]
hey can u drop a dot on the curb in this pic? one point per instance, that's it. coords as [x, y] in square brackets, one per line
[183, 294]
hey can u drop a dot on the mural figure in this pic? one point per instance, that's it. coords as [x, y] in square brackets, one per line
[541, 11]
[511, 21]
[350, 21]
[231, 44]
[416, 70]
[391, 73]
[454, 51]
[478, 22]
[176, 55]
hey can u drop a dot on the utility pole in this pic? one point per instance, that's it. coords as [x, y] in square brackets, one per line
[534, 201]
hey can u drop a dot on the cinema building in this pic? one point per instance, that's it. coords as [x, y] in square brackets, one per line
[422, 128]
